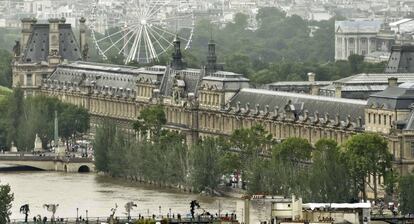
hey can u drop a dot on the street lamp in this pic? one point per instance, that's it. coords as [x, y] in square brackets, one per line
[77, 214]
[170, 213]
[87, 216]
[160, 210]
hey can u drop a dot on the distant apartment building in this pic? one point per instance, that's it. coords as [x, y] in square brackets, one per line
[355, 37]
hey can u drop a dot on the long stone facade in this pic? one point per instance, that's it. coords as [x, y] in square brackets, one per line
[210, 102]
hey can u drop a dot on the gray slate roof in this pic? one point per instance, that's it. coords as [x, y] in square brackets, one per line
[102, 75]
[38, 44]
[364, 26]
[311, 103]
[369, 82]
[401, 59]
[398, 97]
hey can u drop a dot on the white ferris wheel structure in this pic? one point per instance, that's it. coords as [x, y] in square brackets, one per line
[140, 30]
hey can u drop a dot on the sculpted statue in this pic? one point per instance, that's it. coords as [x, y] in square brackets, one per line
[16, 49]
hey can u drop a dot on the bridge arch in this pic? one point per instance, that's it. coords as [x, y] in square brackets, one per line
[84, 169]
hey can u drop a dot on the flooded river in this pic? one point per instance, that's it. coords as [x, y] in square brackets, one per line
[99, 194]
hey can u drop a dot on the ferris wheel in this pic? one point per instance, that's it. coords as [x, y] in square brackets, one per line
[140, 30]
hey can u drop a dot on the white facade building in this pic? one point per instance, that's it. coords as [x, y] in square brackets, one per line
[355, 37]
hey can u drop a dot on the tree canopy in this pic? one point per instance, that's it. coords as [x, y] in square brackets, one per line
[368, 156]
[21, 119]
[406, 194]
[6, 199]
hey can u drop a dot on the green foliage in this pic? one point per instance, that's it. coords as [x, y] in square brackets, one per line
[367, 155]
[281, 49]
[150, 121]
[294, 150]
[6, 199]
[8, 36]
[15, 106]
[21, 119]
[328, 165]
[164, 160]
[104, 139]
[406, 194]
[5, 68]
[206, 168]
[73, 121]
[289, 168]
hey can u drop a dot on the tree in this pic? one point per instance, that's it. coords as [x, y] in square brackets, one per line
[5, 68]
[367, 155]
[14, 113]
[6, 199]
[295, 150]
[291, 163]
[73, 120]
[3, 117]
[328, 165]
[35, 115]
[356, 63]
[206, 171]
[104, 139]
[150, 121]
[406, 194]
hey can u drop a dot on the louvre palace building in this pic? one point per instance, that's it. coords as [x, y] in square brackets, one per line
[49, 60]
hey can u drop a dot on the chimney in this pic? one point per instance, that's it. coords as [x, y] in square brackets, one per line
[338, 90]
[311, 77]
[27, 24]
[392, 81]
[82, 37]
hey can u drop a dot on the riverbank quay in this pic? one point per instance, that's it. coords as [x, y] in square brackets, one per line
[153, 183]
[136, 220]
[221, 191]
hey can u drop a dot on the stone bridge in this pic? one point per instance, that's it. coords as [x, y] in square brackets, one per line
[49, 163]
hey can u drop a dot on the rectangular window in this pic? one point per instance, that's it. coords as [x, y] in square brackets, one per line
[44, 76]
[29, 81]
[412, 149]
[369, 117]
[379, 119]
[390, 120]
[375, 118]
[385, 119]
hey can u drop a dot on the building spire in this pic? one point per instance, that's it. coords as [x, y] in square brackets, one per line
[177, 57]
[211, 57]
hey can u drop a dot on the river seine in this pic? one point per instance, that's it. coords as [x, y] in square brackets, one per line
[99, 194]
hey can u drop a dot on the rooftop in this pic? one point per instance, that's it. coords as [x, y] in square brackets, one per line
[302, 102]
[362, 26]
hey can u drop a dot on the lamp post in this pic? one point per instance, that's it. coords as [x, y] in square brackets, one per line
[170, 213]
[160, 210]
[77, 214]
[87, 216]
